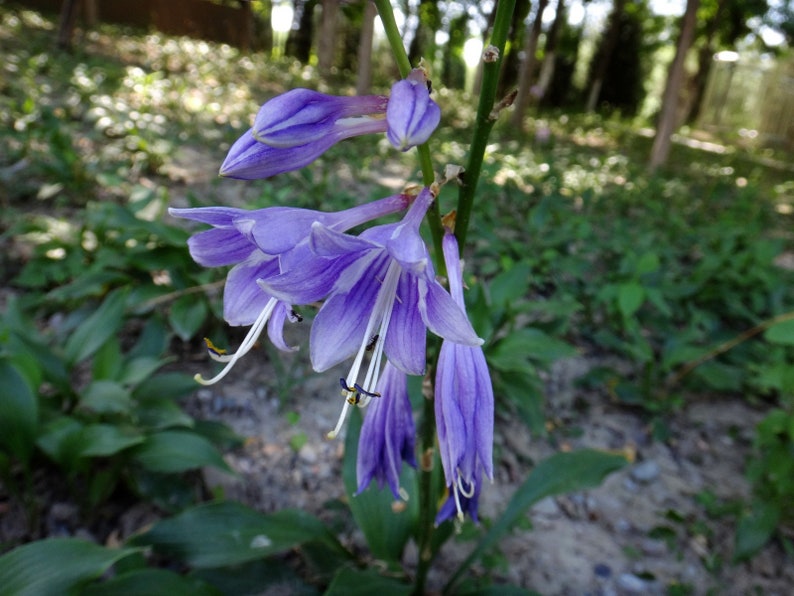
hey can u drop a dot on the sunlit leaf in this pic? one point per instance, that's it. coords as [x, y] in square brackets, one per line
[781, 333]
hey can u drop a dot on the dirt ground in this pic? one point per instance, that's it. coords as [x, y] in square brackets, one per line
[642, 532]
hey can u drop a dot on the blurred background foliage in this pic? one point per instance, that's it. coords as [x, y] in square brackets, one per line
[678, 285]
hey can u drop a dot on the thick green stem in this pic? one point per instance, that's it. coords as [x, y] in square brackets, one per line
[485, 118]
[425, 163]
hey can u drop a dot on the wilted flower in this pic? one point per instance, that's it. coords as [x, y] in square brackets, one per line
[464, 404]
[261, 244]
[382, 297]
[388, 434]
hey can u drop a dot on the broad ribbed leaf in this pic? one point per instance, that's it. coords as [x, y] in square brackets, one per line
[177, 451]
[97, 328]
[227, 533]
[54, 566]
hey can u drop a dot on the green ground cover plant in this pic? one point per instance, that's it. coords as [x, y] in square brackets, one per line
[576, 251]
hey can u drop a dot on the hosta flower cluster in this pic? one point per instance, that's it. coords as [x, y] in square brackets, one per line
[378, 289]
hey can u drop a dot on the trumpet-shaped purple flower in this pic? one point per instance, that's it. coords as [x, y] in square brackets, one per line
[388, 434]
[382, 297]
[411, 115]
[293, 129]
[302, 116]
[259, 243]
[464, 404]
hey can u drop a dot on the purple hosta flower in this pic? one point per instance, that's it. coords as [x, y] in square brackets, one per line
[295, 128]
[261, 244]
[388, 434]
[382, 296]
[302, 116]
[411, 115]
[464, 406]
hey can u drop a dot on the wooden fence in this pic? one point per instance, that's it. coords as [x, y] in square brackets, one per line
[230, 22]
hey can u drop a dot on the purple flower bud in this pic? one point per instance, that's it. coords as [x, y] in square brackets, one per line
[464, 405]
[302, 116]
[411, 115]
[388, 434]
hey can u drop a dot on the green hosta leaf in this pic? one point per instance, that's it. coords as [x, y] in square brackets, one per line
[138, 369]
[262, 576]
[19, 412]
[188, 314]
[781, 333]
[355, 582]
[512, 352]
[387, 532]
[103, 440]
[176, 451]
[166, 386]
[159, 414]
[60, 440]
[97, 328]
[55, 566]
[107, 360]
[525, 390]
[755, 528]
[558, 474]
[152, 582]
[631, 295]
[106, 397]
[509, 286]
[647, 263]
[226, 533]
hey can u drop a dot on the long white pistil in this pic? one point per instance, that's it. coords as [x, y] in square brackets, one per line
[245, 347]
[381, 315]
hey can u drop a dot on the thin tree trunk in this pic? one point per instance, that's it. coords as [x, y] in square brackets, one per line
[528, 66]
[364, 79]
[610, 43]
[66, 23]
[705, 59]
[327, 44]
[675, 78]
[550, 54]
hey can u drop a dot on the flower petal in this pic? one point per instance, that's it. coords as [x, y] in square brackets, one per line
[243, 299]
[406, 337]
[443, 317]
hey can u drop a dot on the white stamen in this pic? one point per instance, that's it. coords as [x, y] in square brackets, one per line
[245, 347]
[382, 310]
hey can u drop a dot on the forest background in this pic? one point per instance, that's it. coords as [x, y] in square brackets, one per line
[616, 269]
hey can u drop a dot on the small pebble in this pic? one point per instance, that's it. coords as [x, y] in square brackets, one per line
[645, 472]
[601, 570]
[628, 584]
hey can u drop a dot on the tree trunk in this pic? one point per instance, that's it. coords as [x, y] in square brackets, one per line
[508, 78]
[705, 59]
[326, 50]
[675, 78]
[550, 53]
[423, 45]
[364, 78]
[528, 66]
[66, 23]
[299, 41]
[610, 43]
